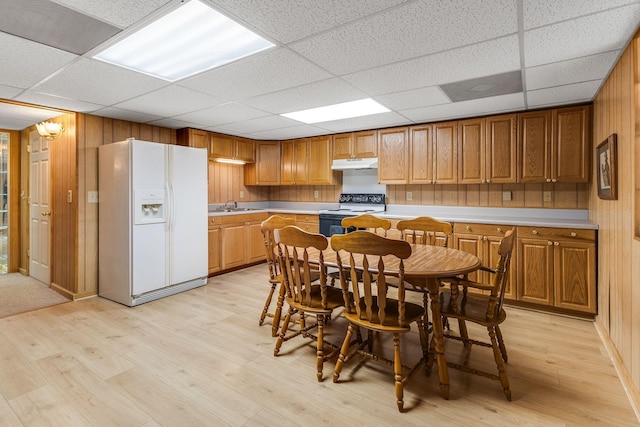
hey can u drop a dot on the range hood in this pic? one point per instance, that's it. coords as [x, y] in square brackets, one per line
[347, 164]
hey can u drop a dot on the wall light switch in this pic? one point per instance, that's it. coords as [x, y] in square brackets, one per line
[316, 194]
[92, 197]
[506, 196]
[546, 196]
[409, 195]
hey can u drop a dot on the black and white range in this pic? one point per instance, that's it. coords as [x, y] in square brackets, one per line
[351, 204]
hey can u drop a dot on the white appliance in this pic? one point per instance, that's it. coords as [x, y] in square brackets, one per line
[152, 220]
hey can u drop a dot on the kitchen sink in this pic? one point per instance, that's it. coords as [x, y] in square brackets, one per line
[238, 209]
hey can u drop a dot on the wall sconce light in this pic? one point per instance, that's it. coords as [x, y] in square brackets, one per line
[50, 130]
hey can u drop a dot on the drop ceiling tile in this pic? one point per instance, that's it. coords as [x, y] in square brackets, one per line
[169, 123]
[120, 114]
[260, 124]
[579, 92]
[571, 71]
[325, 92]
[602, 32]
[488, 58]
[121, 13]
[288, 133]
[537, 13]
[98, 82]
[222, 114]
[475, 107]
[170, 101]
[58, 102]
[18, 117]
[266, 72]
[8, 92]
[423, 97]
[9, 123]
[25, 63]
[287, 21]
[409, 31]
[374, 121]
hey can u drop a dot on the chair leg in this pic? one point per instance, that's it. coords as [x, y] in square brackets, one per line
[370, 340]
[397, 371]
[267, 303]
[463, 333]
[344, 350]
[283, 331]
[498, 357]
[320, 345]
[503, 349]
[424, 343]
[278, 312]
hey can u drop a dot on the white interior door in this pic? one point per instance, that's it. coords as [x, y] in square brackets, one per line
[40, 209]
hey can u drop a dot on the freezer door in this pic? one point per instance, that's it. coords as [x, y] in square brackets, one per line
[188, 215]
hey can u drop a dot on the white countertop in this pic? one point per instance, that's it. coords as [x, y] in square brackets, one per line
[563, 218]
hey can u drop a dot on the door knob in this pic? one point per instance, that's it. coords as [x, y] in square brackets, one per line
[46, 213]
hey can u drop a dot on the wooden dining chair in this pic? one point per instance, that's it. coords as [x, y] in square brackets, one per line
[303, 297]
[268, 227]
[370, 307]
[485, 310]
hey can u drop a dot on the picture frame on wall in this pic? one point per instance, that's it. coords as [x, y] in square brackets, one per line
[607, 161]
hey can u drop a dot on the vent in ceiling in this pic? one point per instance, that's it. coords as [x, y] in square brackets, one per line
[484, 87]
[54, 25]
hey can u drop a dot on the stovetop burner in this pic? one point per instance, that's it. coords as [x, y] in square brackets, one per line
[358, 204]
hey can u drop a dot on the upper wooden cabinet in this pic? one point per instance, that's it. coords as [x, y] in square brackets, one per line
[487, 150]
[294, 160]
[193, 138]
[420, 154]
[355, 145]
[266, 169]
[231, 147]
[445, 153]
[393, 149]
[320, 172]
[554, 145]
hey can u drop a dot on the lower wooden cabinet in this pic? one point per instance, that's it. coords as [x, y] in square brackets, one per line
[557, 267]
[235, 240]
[309, 223]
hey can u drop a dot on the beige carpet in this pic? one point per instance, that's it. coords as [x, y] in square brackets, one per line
[20, 293]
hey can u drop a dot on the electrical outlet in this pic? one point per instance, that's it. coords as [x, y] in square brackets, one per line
[546, 196]
[241, 194]
[316, 194]
[409, 195]
[93, 197]
[506, 196]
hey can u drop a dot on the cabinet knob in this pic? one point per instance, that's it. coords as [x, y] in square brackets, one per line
[534, 232]
[556, 243]
[549, 242]
[488, 181]
[483, 181]
[484, 238]
[573, 234]
[554, 180]
[468, 228]
[499, 230]
[548, 180]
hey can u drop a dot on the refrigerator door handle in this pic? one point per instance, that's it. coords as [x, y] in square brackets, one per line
[171, 207]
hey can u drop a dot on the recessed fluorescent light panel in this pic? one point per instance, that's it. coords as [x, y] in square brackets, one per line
[190, 39]
[345, 110]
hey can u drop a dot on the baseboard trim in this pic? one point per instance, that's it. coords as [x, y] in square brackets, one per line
[632, 392]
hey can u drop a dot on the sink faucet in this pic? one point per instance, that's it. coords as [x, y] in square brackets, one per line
[233, 205]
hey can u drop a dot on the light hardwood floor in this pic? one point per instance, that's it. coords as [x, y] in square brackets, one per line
[200, 359]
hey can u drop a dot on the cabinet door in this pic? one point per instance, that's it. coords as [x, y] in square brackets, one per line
[365, 144]
[445, 153]
[221, 146]
[192, 138]
[233, 239]
[574, 271]
[343, 146]
[533, 146]
[491, 258]
[245, 150]
[301, 161]
[254, 243]
[471, 243]
[266, 169]
[571, 150]
[320, 172]
[471, 155]
[287, 164]
[535, 271]
[420, 145]
[500, 151]
[214, 249]
[393, 160]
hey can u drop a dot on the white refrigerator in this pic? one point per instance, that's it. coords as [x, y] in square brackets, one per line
[152, 232]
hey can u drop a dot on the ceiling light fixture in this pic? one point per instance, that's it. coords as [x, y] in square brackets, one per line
[191, 39]
[345, 110]
[50, 130]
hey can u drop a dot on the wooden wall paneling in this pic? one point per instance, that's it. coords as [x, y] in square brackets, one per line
[494, 195]
[472, 194]
[145, 132]
[107, 129]
[121, 130]
[13, 201]
[533, 196]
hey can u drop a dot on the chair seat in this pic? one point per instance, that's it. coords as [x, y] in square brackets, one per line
[334, 300]
[472, 308]
[413, 312]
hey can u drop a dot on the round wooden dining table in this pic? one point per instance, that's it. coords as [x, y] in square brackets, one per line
[425, 269]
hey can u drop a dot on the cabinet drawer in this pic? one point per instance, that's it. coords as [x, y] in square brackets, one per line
[307, 218]
[215, 220]
[238, 219]
[483, 229]
[310, 227]
[556, 233]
